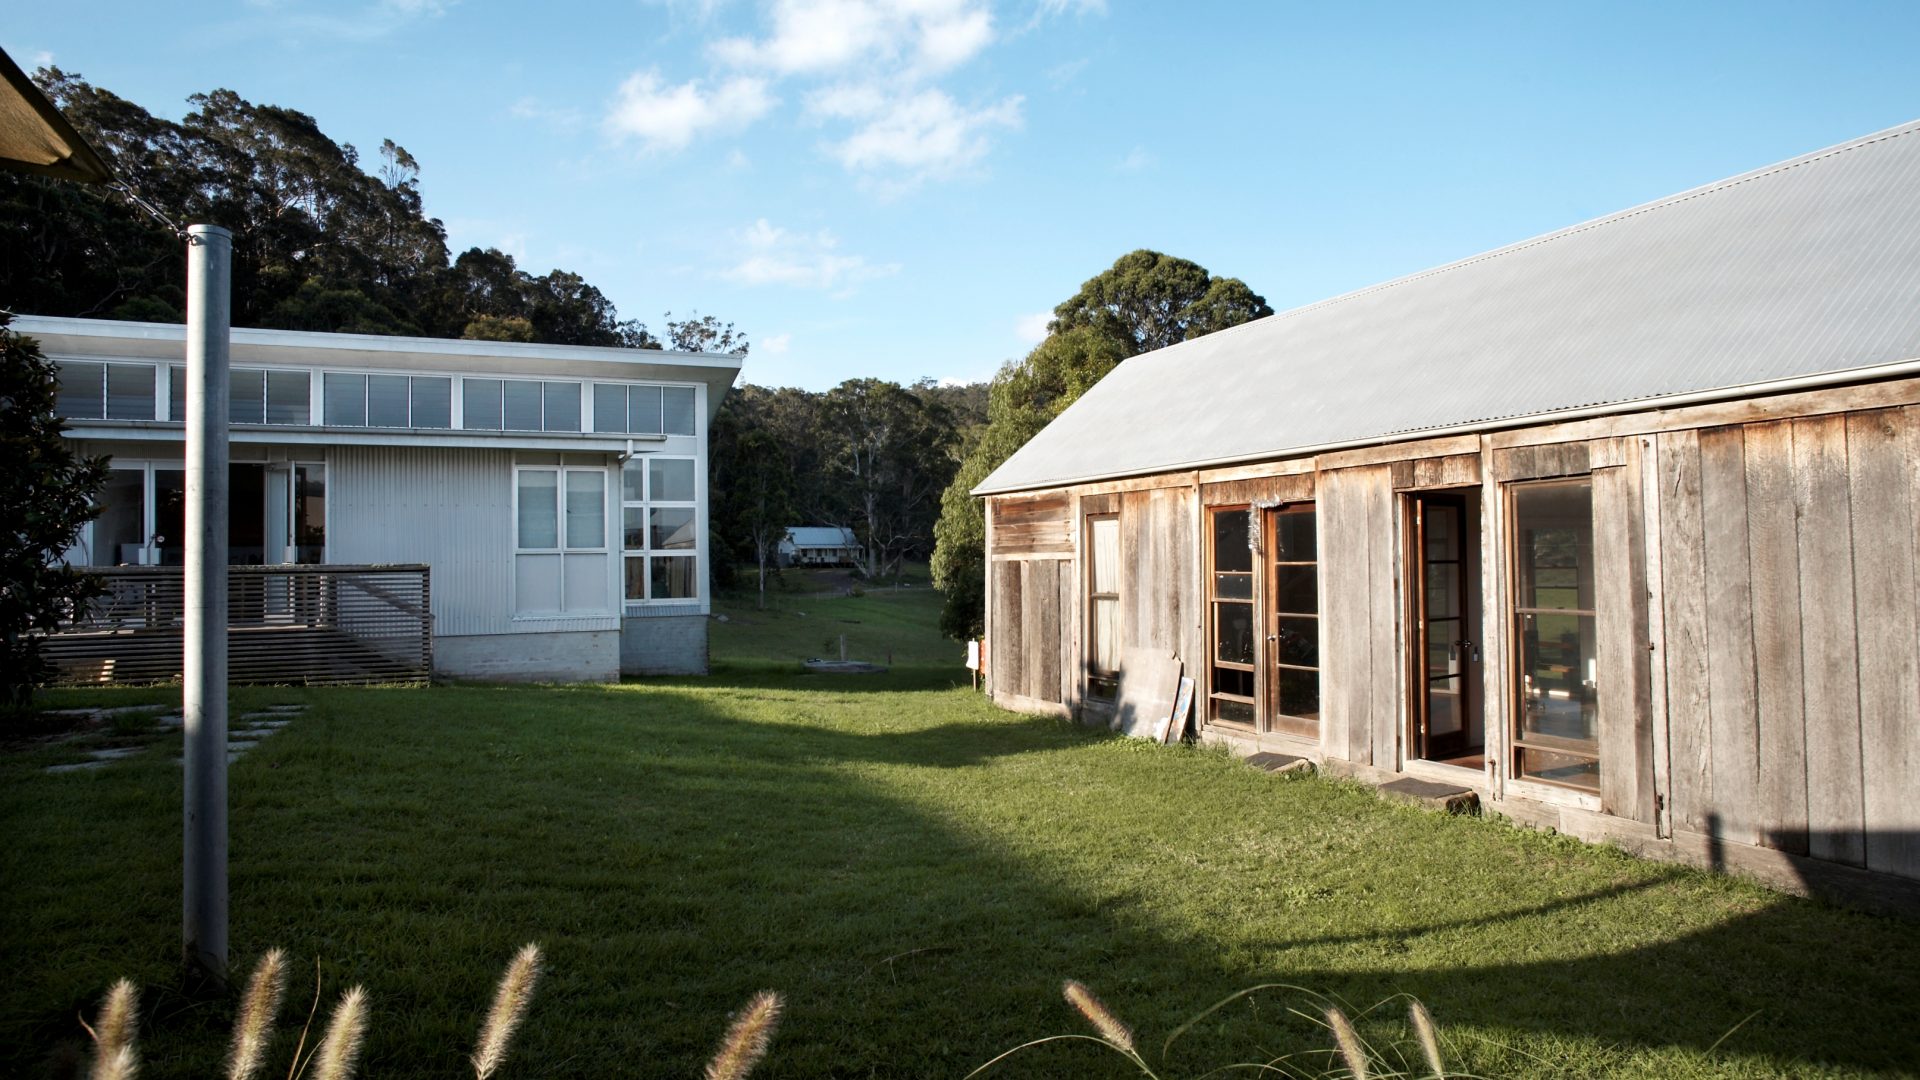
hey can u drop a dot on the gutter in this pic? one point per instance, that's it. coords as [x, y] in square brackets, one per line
[1875, 373]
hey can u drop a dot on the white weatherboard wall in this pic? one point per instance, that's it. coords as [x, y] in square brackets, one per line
[453, 509]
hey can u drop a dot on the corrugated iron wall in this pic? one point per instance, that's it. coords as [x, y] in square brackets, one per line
[451, 509]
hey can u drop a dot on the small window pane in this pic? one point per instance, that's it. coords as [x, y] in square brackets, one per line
[387, 400]
[522, 405]
[671, 530]
[1230, 551]
[636, 578]
[1294, 537]
[129, 392]
[480, 404]
[634, 532]
[586, 509]
[1554, 527]
[1233, 712]
[563, 406]
[288, 397]
[1557, 678]
[643, 410]
[1233, 633]
[1106, 557]
[676, 403]
[346, 399]
[673, 577]
[310, 513]
[247, 396]
[1297, 589]
[81, 395]
[633, 481]
[609, 408]
[1568, 769]
[177, 394]
[1299, 693]
[1104, 628]
[672, 479]
[1233, 586]
[539, 522]
[1297, 642]
[432, 402]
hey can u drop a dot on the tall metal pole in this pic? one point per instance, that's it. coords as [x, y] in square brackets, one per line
[204, 695]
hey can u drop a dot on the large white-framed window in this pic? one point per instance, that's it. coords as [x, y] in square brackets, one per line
[254, 395]
[561, 545]
[354, 399]
[92, 390]
[633, 409]
[519, 405]
[277, 513]
[660, 529]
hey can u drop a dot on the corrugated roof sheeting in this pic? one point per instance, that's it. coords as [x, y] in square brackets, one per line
[1801, 268]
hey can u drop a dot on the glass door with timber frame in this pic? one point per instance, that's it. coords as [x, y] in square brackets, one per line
[1444, 555]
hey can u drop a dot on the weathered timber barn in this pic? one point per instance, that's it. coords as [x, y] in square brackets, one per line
[1617, 527]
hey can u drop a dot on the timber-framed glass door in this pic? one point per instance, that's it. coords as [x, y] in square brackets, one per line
[1292, 590]
[1444, 654]
[1232, 620]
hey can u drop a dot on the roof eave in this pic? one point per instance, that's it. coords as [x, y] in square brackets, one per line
[1872, 373]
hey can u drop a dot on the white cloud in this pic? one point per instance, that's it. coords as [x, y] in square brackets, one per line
[1137, 159]
[413, 8]
[770, 255]
[529, 108]
[926, 134]
[775, 344]
[1032, 329]
[738, 160]
[38, 59]
[668, 117]
[820, 37]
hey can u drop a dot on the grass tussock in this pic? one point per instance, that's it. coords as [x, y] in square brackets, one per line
[510, 1001]
[259, 1006]
[747, 1039]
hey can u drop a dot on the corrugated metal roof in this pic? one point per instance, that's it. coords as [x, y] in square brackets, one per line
[1802, 268]
[827, 536]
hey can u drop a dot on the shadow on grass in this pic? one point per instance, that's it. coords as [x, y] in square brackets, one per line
[677, 846]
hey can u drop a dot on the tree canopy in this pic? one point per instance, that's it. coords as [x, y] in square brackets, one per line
[320, 242]
[1144, 301]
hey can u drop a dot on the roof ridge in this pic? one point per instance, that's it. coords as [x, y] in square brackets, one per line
[1715, 187]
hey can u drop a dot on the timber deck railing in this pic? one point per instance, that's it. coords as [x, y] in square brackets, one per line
[285, 624]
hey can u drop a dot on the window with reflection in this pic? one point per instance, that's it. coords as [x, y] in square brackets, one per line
[1103, 606]
[1231, 622]
[1558, 735]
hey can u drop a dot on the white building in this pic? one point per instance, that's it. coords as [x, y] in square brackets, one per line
[558, 493]
[820, 545]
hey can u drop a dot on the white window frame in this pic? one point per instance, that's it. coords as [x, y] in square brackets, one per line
[562, 550]
[647, 504]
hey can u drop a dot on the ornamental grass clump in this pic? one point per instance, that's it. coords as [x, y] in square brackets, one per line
[1350, 1058]
[113, 1030]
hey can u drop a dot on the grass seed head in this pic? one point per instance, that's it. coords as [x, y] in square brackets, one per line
[345, 1031]
[113, 1033]
[1429, 1037]
[1348, 1040]
[1097, 1014]
[509, 1008]
[747, 1039]
[254, 1025]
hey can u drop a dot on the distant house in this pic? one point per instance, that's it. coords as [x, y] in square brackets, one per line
[1618, 527]
[820, 545]
[557, 494]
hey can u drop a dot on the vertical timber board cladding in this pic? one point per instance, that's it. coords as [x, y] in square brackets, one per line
[1790, 590]
[1041, 625]
[1882, 462]
[1830, 672]
[1157, 552]
[1360, 666]
[1007, 649]
[1622, 657]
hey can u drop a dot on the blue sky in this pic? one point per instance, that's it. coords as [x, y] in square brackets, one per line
[903, 188]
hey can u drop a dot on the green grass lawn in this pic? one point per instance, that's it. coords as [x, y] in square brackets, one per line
[916, 870]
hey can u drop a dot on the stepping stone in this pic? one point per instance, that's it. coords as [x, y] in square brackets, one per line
[114, 753]
[172, 721]
[84, 766]
[1280, 763]
[1432, 796]
[285, 709]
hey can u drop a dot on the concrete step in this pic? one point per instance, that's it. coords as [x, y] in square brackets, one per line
[1432, 796]
[1280, 763]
